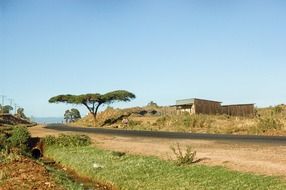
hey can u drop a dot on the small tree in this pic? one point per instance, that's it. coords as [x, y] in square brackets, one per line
[20, 113]
[72, 115]
[93, 101]
[75, 114]
[67, 116]
[6, 109]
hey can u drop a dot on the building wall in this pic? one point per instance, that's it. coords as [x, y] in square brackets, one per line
[238, 110]
[206, 107]
[200, 106]
[185, 108]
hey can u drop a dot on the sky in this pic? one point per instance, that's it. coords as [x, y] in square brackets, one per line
[163, 50]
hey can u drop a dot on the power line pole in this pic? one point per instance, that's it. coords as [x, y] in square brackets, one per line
[3, 99]
[16, 106]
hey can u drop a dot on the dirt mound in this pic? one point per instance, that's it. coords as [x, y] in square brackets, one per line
[9, 119]
[24, 173]
[111, 116]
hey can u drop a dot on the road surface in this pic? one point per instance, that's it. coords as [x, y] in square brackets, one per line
[171, 135]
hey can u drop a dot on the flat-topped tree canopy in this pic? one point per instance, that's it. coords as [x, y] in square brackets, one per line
[93, 101]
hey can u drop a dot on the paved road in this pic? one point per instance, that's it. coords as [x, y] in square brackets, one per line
[174, 135]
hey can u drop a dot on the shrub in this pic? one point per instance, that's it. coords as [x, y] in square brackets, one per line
[133, 124]
[277, 109]
[183, 158]
[3, 141]
[162, 121]
[19, 137]
[50, 140]
[269, 123]
[67, 140]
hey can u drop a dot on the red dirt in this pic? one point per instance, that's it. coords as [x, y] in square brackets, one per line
[25, 173]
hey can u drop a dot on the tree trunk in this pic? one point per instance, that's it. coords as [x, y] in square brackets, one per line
[94, 119]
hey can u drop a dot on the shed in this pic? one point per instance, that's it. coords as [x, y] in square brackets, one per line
[238, 110]
[198, 106]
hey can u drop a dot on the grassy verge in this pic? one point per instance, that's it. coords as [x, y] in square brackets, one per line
[138, 172]
[63, 179]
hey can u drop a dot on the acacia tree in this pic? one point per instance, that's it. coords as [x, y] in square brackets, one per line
[93, 101]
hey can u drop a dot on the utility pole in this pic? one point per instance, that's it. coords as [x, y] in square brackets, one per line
[16, 106]
[3, 99]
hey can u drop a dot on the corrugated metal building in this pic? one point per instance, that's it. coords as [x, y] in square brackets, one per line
[201, 106]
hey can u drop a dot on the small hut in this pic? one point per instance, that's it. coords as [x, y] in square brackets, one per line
[198, 106]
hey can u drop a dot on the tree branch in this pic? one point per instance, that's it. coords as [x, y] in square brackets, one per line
[89, 109]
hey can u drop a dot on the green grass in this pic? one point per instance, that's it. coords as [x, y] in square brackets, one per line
[63, 179]
[138, 172]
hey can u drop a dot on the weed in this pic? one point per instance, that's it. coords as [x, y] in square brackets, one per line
[183, 158]
[133, 124]
[269, 123]
[3, 175]
[68, 140]
[277, 109]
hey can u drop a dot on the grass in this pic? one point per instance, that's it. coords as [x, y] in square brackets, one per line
[138, 172]
[63, 179]
[268, 121]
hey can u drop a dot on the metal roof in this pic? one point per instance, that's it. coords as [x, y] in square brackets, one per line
[191, 101]
[251, 104]
[185, 102]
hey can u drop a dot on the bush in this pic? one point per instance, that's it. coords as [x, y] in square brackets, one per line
[19, 137]
[133, 124]
[50, 140]
[3, 141]
[67, 140]
[269, 123]
[277, 109]
[183, 158]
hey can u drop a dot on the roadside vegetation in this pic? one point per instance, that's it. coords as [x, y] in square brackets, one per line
[123, 171]
[18, 170]
[267, 121]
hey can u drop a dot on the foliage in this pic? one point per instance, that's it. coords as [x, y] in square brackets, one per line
[67, 140]
[63, 179]
[5, 109]
[3, 140]
[184, 121]
[152, 104]
[132, 124]
[150, 173]
[20, 137]
[72, 115]
[20, 113]
[269, 123]
[93, 101]
[278, 109]
[15, 138]
[183, 158]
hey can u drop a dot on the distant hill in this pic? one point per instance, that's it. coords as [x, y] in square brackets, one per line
[8, 119]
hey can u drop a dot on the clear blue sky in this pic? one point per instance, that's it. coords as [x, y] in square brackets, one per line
[232, 51]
